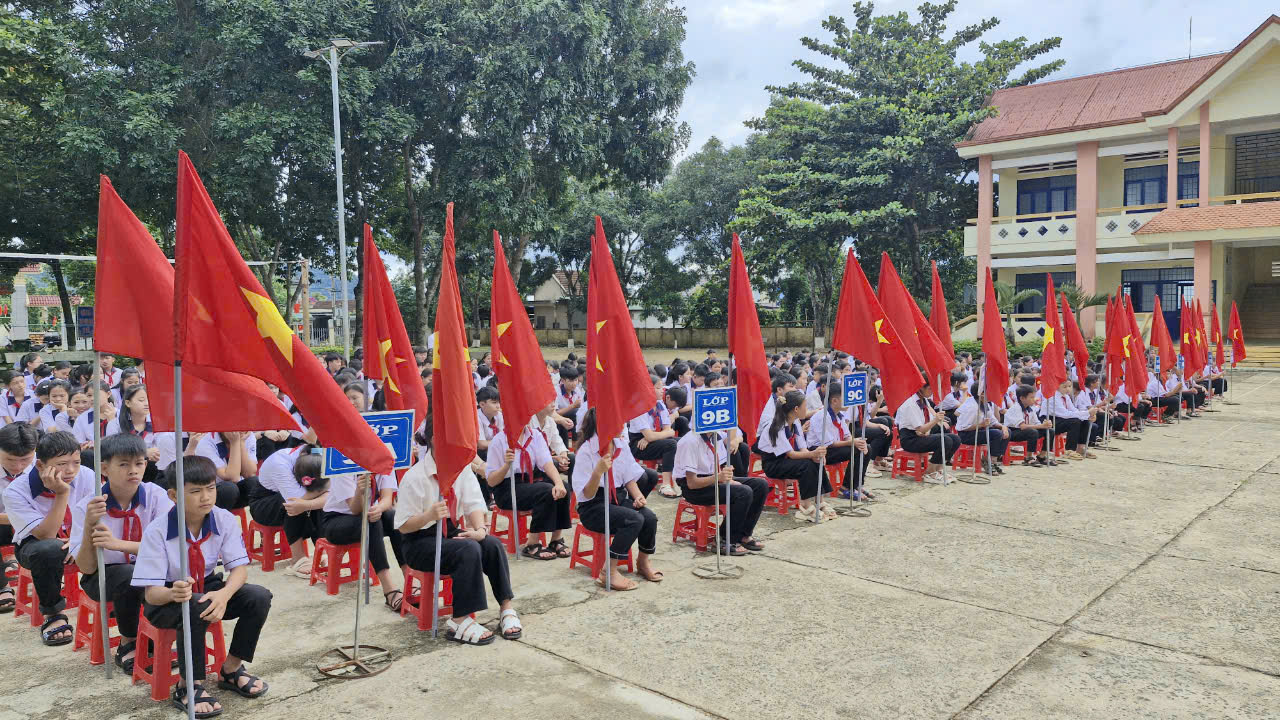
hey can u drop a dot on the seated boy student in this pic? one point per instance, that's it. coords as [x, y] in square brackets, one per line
[17, 458]
[213, 535]
[39, 507]
[114, 521]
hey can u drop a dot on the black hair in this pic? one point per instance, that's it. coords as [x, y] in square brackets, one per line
[124, 418]
[678, 396]
[43, 370]
[1027, 379]
[331, 356]
[1091, 378]
[19, 438]
[700, 370]
[61, 365]
[588, 428]
[482, 370]
[573, 357]
[128, 373]
[795, 371]
[568, 373]
[958, 377]
[654, 379]
[660, 370]
[676, 370]
[713, 376]
[42, 387]
[57, 444]
[28, 359]
[124, 445]
[356, 365]
[793, 400]
[309, 466]
[419, 350]
[358, 387]
[780, 381]
[487, 393]
[82, 374]
[1025, 390]
[197, 470]
[60, 383]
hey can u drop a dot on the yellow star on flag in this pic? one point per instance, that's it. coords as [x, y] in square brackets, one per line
[502, 328]
[1186, 338]
[600, 325]
[1199, 339]
[1048, 336]
[270, 324]
[384, 349]
[1126, 345]
[435, 357]
[879, 337]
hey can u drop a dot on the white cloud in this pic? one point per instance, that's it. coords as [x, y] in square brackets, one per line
[746, 14]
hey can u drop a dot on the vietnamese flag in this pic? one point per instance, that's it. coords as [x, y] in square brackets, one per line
[746, 346]
[1235, 331]
[134, 313]
[1075, 340]
[617, 376]
[1184, 345]
[224, 319]
[1115, 344]
[454, 426]
[1136, 352]
[388, 352]
[1053, 360]
[1202, 337]
[938, 318]
[517, 357]
[863, 330]
[938, 361]
[897, 303]
[1215, 337]
[1160, 338]
[993, 345]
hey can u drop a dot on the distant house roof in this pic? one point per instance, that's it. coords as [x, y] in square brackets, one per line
[1214, 217]
[51, 300]
[565, 278]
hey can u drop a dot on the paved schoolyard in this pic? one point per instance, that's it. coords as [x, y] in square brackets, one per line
[1144, 584]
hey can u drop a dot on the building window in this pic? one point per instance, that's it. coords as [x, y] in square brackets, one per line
[1258, 163]
[541, 323]
[1036, 281]
[1188, 180]
[1171, 284]
[1047, 195]
[1149, 185]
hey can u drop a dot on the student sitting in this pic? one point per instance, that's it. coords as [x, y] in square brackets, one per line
[1092, 396]
[831, 430]
[703, 472]
[1069, 421]
[651, 438]
[676, 399]
[133, 417]
[923, 430]
[959, 388]
[213, 537]
[17, 458]
[1192, 394]
[614, 477]
[291, 494]
[467, 556]
[790, 459]
[114, 522]
[1165, 394]
[127, 379]
[569, 399]
[538, 488]
[340, 523]
[1024, 425]
[37, 398]
[13, 397]
[235, 457]
[977, 424]
[53, 416]
[1137, 411]
[39, 508]
[1213, 378]
[545, 421]
[80, 404]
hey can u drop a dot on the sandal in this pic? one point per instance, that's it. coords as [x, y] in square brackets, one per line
[393, 604]
[510, 624]
[231, 681]
[122, 662]
[469, 632]
[668, 492]
[538, 552]
[734, 550]
[753, 545]
[560, 548]
[7, 600]
[201, 697]
[50, 634]
[627, 585]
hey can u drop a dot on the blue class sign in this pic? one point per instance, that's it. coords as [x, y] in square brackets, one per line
[715, 409]
[84, 321]
[1181, 362]
[394, 427]
[855, 389]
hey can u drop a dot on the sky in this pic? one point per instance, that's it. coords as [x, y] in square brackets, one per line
[740, 46]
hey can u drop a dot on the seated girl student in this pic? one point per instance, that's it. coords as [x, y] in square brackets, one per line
[703, 471]
[1213, 378]
[960, 382]
[1165, 393]
[80, 404]
[17, 458]
[651, 438]
[539, 489]
[1132, 410]
[569, 401]
[1091, 395]
[234, 456]
[39, 508]
[789, 459]
[680, 376]
[213, 537]
[11, 399]
[54, 414]
[114, 521]
[37, 398]
[1193, 395]
[291, 494]
[675, 400]
[978, 424]
[920, 428]
[830, 429]
[128, 378]
[466, 555]
[1069, 421]
[630, 519]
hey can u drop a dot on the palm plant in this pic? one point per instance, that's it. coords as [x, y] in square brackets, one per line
[1079, 298]
[1008, 298]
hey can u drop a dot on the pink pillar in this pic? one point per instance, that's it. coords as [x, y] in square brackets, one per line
[984, 229]
[1204, 248]
[1204, 155]
[1173, 167]
[1087, 227]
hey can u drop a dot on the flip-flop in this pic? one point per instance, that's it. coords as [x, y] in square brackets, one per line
[621, 588]
[668, 492]
[7, 600]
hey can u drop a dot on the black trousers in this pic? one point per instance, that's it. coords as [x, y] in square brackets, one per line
[805, 472]
[879, 438]
[549, 514]
[1033, 438]
[664, 450]
[1140, 411]
[467, 562]
[248, 607]
[6, 538]
[849, 454]
[1193, 399]
[741, 460]
[126, 598]
[746, 502]
[628, 524]
[45, 559]
[1073, 429]
[233, 495]
[1173, 402]
[1218, 385]
[995, 438]
[914, 443]
[344, 529]
[270, 511]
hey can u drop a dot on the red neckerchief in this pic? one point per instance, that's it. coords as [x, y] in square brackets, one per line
[526, 459]
[839, 425]
[656, 414]
[493, 427]
[791, 436]
[613, 491]
[567, 395]
[195, 562]
[715, 454]
[66, 516]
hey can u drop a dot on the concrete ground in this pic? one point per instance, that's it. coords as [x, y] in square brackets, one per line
[1144, 584]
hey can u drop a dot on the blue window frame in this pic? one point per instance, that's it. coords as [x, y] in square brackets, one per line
[1036, 281]
[1149, 185]
[1047, 195]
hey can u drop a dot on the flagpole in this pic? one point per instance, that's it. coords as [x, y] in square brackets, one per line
[715, 496]
[857, 480]
[183, 569]
[364, 563]
[514, 526]
[103, 614]
[607, 567]
[942, 438]
[435, 581]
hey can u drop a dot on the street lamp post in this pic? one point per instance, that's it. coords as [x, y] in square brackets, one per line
[332, 57]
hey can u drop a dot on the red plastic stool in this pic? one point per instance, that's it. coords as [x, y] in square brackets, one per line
[651, 464]
[513, 543]
[268, 545]
[964, 457]
[71, 584]
[1059, 445]
[699, 528]
[28, 604]
[417, 593]
[783, 495]
[329, 561]
[6, 555]
[594, 557]
[1023, 452]
[835, 477]
[153, 662]
[88, 626]
[909, 465]
[243, 516]
[754, 461]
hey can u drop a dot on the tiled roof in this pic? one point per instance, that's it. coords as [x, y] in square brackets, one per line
[1214, 217]
[565, 278]
[51, 301]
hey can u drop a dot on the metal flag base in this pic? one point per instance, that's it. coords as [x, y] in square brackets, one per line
[344, 664]
[858, 511]
[718, 572]
[974, 479]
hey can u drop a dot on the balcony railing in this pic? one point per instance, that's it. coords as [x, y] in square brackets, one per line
[1126, 209]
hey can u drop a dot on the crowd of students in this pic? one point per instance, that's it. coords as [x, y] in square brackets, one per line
[54, 511]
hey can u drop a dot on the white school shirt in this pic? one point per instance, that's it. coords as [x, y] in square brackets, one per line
[485, 424]
[911, 415]
[83, 427]
[420, 490]
[47, 420]
[1155, 388]
[158, 560]
[1172, 382]
[27, 505]
[9, 406]
[625, 467]
[531, 441]
[582, 414]
[343, 487]
[766, 416]
[564, 400]
[1064, 407]
[1017, 415]
[1121, 395]
[112, 377]
[6, 479]
[824, 429]
[812, 400]
[693, 453]
[276, 473]
[30, 408]
[30, 381]
[782, 444]
[640, 423]
[213, 447]
[149, 502]
[1086, 399]
[967, 414]
[551, 432]
[951, 400]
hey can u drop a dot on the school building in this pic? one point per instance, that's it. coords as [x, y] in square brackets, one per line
[1162, 179]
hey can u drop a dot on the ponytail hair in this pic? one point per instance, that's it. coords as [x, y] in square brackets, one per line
[588, 428]
[784, 407]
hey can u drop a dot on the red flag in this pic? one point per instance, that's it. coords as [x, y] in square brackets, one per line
[1184, 344]
[453, 401]
[1053, 361]
[897, 302]
[1135, 353]
[746, 345]
[224, 319]
[938, 362]
[617, 376]
[517, 357]
[1160, 338]
[1075, 340]
[938, 318]
[1235, 331]
[1115, 344]
[134, 313]
[388, 352]
[1215, 337]
[993, 344]
[1202, 338]
[863, 330]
